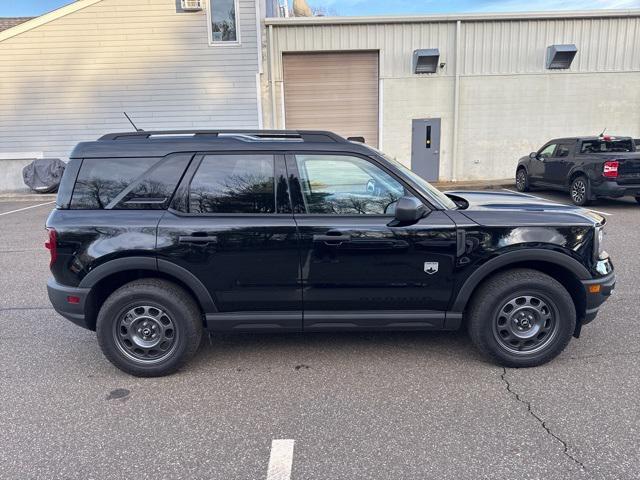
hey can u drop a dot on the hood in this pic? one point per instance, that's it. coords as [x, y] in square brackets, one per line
[503, 207]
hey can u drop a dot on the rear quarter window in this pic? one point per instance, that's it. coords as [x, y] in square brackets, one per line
[128, 183]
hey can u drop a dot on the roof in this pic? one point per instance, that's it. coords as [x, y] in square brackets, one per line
[162, 143]
[9, 22]
[588, 138]
[31, 23]
[463, 17]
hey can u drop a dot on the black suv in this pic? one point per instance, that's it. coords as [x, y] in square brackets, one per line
[586, 167]
[159, 235]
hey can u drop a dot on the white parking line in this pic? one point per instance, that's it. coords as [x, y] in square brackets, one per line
[281, 460]
[27, 208]
[552, 201]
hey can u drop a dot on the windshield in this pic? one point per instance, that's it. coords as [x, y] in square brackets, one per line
[442, 198]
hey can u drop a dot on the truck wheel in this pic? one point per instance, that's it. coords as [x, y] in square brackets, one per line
[522, 180]
[580, 191]
[149, 327]
[521, 318]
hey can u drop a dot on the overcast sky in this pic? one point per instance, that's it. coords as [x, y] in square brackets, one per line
[17, 8]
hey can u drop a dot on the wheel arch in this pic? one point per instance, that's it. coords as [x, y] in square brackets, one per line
[111, 275]
[568, 271]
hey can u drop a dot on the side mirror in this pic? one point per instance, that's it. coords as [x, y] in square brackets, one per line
[409, 210]
[533, 155]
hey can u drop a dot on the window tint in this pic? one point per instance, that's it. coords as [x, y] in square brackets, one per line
[344, 185]
[156, 187]
[562, 151]
[100, 180]
[603, 146]
[223, 21]
[233, 184]
[547, 151]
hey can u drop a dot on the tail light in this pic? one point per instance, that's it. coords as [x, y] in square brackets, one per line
[611, 169]
[52, 245]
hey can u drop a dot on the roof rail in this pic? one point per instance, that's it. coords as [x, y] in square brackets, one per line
[304, 135]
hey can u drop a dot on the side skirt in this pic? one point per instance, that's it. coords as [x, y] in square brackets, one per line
[323, 321]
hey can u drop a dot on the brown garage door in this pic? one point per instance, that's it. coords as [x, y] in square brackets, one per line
[332, 91]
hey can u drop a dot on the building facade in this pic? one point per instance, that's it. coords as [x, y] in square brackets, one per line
[491, 99]
[69, 75]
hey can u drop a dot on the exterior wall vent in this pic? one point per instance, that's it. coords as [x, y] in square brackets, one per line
[560, 56]
[191, 5]
[426, 60]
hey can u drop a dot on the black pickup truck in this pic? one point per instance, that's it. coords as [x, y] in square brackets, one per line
[586, 167]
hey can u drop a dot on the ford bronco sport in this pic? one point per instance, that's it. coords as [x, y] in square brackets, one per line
[157, 236]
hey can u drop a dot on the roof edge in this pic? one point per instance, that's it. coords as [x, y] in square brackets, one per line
[46, 18]
[465, 17]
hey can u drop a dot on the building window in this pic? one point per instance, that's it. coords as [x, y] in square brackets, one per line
[224, 22]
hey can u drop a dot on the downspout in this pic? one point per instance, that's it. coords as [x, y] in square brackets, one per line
[272, 90]
[456, 106]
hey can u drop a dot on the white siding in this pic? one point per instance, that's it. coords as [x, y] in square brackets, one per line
[70, 79]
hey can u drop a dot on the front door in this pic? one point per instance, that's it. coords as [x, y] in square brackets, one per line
[557, 166]
[358, 269]
[537, 164]
[232, 227]
[425, 148]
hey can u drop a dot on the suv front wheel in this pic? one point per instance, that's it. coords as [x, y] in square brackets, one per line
[149, 327]
[521, 318]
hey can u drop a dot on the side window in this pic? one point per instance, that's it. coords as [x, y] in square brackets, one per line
[562, 151]
[547, 151]
[154, 188]
[100, 180]
[233, 184]
[224, 23]
[345, 185]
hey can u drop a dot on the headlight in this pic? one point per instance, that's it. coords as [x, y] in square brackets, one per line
[598, 243]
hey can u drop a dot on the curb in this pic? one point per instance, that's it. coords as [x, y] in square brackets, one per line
[474, 185]
[27, 197]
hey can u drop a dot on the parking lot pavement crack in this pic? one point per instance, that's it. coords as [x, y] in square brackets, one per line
[542, 422]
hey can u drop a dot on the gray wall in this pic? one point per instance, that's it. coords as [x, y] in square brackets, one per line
[509, 104]
[70, 79]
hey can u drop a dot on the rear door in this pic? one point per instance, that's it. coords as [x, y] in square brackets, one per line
[231, 226]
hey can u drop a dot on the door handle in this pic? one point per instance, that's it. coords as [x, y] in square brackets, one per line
[197, 239]
[333, 238]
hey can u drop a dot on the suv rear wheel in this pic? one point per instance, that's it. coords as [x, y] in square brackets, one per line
[521, 318]
[149, 327]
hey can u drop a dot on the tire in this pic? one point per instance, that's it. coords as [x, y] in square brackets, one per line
[149, 327]
[528, 293]
[522, 180]
[580, 191]
[638, 199]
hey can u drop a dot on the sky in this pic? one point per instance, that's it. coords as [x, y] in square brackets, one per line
[18, 8]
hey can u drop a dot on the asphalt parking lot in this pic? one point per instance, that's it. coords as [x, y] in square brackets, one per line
[357, 406]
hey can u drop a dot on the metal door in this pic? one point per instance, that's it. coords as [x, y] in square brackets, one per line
[425, 148]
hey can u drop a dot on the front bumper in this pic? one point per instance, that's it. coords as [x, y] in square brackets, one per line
[615, 189]
[68, 301]
[597, 291]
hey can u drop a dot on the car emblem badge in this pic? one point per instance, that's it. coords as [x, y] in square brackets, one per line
[430, 267]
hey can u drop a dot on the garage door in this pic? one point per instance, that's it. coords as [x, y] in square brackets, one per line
[332, 91]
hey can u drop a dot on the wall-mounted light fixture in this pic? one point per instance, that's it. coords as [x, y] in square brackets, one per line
[560, 56]
[426, 60]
